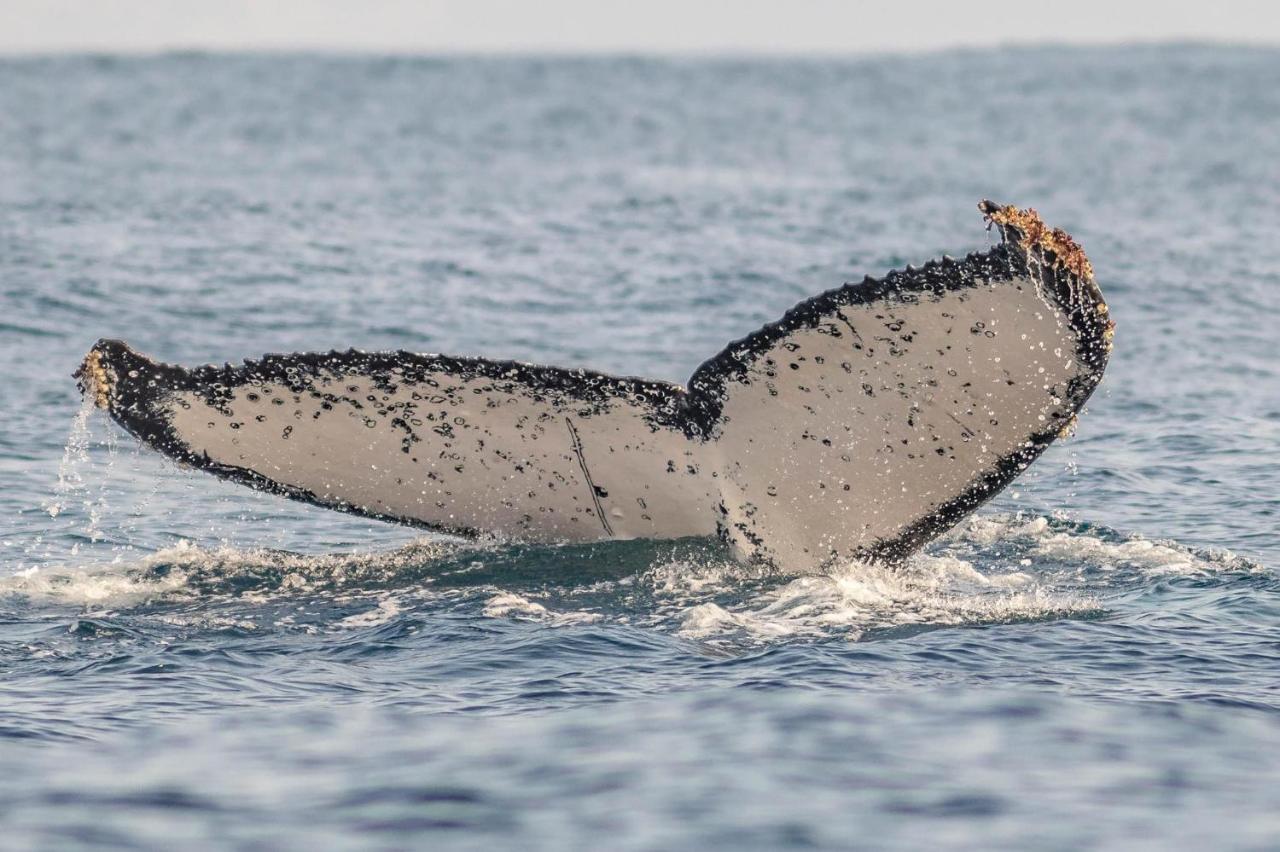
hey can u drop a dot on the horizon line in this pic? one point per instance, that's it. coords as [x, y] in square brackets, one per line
[618, 51]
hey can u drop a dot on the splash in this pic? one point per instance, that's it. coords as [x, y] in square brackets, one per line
[994, 569]
[97, 588]
[858, 599]
[187, 572]
[75, 457]
[73, 486]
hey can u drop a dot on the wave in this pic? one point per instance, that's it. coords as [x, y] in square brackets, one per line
[992, 569]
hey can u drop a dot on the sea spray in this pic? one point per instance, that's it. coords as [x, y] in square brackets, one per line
[73, 483]
[75, 456]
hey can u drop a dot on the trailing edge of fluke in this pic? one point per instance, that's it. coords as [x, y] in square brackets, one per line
[866, 421]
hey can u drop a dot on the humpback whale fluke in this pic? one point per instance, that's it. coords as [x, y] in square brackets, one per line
[864, 422]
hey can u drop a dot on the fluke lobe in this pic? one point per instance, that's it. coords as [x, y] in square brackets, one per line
[866, 421]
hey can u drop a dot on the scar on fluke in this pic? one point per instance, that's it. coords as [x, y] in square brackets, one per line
[757, 435]
[594, 490]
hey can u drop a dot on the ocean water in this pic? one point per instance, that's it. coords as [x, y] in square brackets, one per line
[1092, 659]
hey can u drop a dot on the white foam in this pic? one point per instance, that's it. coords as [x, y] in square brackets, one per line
[96, 588]
[708, 620]
[684, 578]
[1106, 551]
[1019, 568]
[513, 606]
[386, 610]
[860, 597]
[185, 564]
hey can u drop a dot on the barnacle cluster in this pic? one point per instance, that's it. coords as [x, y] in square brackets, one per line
[1034, 232]
[94, 380]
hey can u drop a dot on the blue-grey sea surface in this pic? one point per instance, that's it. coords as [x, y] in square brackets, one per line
[1092, 659]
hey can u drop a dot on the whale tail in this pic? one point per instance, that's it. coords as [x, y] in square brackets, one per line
[864, 422]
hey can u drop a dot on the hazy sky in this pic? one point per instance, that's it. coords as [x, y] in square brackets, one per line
[721, 26]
